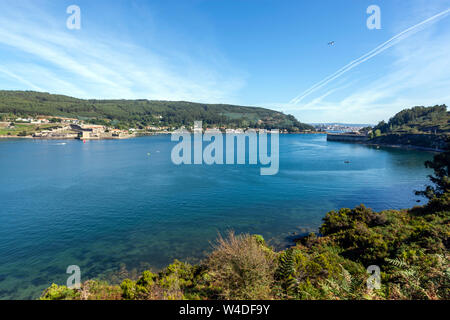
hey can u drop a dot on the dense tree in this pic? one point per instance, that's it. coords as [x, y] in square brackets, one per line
[418, 120]
[141, 113]
[440, 179]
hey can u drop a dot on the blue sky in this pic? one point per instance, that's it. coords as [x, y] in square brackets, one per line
[251, 52]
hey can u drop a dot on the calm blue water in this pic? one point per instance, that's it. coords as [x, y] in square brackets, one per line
[106, 203]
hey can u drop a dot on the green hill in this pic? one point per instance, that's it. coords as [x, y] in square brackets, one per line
[140, 113]
[423, 127]
[418, 120]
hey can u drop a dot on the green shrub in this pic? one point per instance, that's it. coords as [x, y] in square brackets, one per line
[129, 290]
[55, 292]
[345, 219]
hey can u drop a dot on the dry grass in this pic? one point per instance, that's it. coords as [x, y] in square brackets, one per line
[242, 268]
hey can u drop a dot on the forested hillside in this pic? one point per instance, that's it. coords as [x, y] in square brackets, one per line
[423, 127]
[418, 120]
[135, 113]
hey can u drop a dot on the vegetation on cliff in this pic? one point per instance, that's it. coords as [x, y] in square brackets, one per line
[411, 248]
[424, 127]
[417, 120]
[141, 113]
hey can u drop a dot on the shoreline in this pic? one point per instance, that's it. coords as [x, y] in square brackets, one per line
[404, 147]
[80, 139]
[395, 146]
[365, 140]
[138, 135]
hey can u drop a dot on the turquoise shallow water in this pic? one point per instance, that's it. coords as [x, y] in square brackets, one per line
[104, 204]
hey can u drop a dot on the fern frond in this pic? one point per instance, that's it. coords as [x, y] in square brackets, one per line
[397, 262]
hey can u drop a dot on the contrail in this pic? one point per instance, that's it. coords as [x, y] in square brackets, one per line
[15, 76]
[382, 47]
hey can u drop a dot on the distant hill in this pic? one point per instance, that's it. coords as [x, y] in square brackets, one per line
[418, 120]
[140, 113]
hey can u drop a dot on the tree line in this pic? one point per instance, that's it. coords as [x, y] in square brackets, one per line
[141, 113]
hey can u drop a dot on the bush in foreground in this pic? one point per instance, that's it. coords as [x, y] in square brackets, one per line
[242, 267]
[411, 247]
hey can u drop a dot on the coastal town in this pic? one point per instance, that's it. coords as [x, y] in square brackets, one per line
[59, 128]
[68, 128]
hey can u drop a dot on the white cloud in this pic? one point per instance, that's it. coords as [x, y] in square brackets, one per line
[52, 58]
